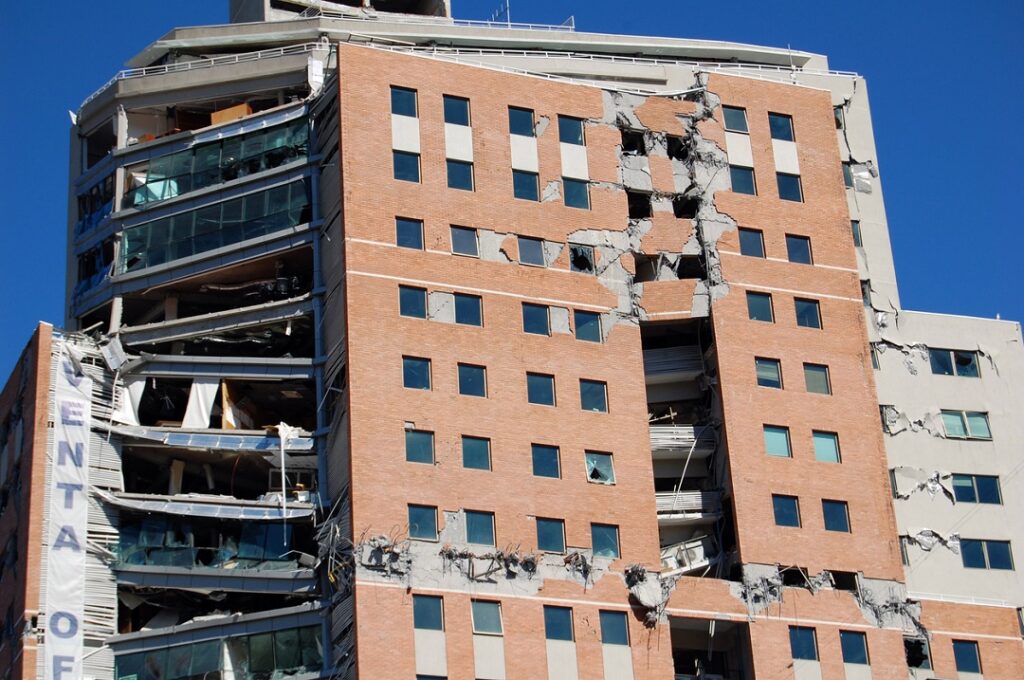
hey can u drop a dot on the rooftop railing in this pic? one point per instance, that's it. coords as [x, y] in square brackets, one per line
[316, 12]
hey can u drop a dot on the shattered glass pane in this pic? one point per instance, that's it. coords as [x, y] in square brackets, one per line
[550, 535]
[261, 653]
[917, 653]
[419, 446]
[545, 461]
[472, 380]
[286, 649]
[476, 453]
[558, 623]
[605, 540]
[826, 447]
[966, 364]
[408, 233]
[614, 628]
[486, 617]
[309, 640]
[206, 659]
[588, 325]
[581, 258]
[423, 522]
[525, 185]
[599, 467]
[942, 361]
[735, 118]
[179, 662]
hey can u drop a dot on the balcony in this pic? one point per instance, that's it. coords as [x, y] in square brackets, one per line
[688, 556]
[670, 364]
[669, 442]
[688, 507]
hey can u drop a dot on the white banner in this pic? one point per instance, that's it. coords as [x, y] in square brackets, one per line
[69, 484]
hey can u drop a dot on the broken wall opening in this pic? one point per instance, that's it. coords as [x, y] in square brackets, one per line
[149, 608]
[633, 142]
[710, 648]
[97, 144]
[639, 204]
[293, 338]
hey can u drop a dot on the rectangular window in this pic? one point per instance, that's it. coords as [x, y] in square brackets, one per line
[570, 130]
[917, 652]
[983, 554]
[840, 117]
[468, 309]
[977, 489]
[798, 249]
[790, 188]
[858, 241]
[614, 628]
[599, 467]
[526, 185]
[594, 395]
[408, 233]
[966, 425]
[803, 643]
[558, 623]
[412, 302]
[638, 204]
[588, 325]
[456, 110]
[531, 251]
[759, 307]
[540, 389]
[486, 617]
[776, 441]
[816, 379]
[480, 527]
[735, 118]
[416, 373]
[826, 447]
[427, 612]
[855, 646]
[781, 127]
[965, 653]
[545, 461]
[464, 241]
[460, 175]
[605, 540]
[961, 363]
[535, 319]
[403, 101]
[847, 175]
[577, 193]
[632, 142]
[476, 453]
[581, 258]
[472, 380]
[808, 313]
[520, 121]
[786, 510]
[743, 180]
[769, 372]
[550, 535]
[751, 242]
[419, 446]
[837, 515]
[423, 522]
[407, 166]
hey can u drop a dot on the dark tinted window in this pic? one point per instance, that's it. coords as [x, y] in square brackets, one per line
[467, 309]
[427, 612]
[808, 314]
[480, 527]
[558, 623]
[460, 175]
[412, 302]
[408, 233]
[605, 539]
[735, 118]
[588, 325]
[423, 522]
[743, 180]
[576, 193]
[759, 307]
[531, 250]
[464, 241]
[550, 535]
[403, 101]
[540, 389]
[614, 628]
[472, 380]
[855, 646]
[545, 461]
[476, 453]
[407, 166]
[416, 373]
[790, 188]
[525, 185]
[419, 446]
[837, 516]
[535, 319]
[798, 249]
[787, 511]
[570, 130]
[594, 396]
[966, 655]
[781, 126]
[520, 121]
[751, 242]
[456, 110]
[803, 643]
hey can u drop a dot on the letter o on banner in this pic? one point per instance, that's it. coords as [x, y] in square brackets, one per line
[71, 627]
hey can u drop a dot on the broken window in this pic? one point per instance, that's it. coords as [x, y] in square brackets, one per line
[480, 527]
[416, 373]
[855, 646]
[986, 554]
[816, 379]
[460, 175]
[98, 143]
[954, 362]
[409, 233]
[858, 242]
[790, 188]
[599, 467]
[94, 205]
[966, 425]
[412, 302]
[464, 241]
[406, 165]
[588, 325]
[403, 101]
[526, 185]
[605, 540]
[798, 249]
[423, 522]
[472, 380]
[476, 453]
[808, 313]
[531, 250]
[456, 110]
[558, 623]
[917, 652]
[769, 372]
[786, 510]
[486, 617]
[845, 580]
[840, 117]
[581, 258]
[594, 395]
[427, 612]
[776, 441]
[759, 307]
[676, 148]
[536, 319]
[685, 206]
[577, 193]
[633, 142]
[419, 446]
[570, 130]
[781, 127]
[735, 118]
[614, 628]
[965, 653]
[540, 389]
[742, 180]
[468, 309]
[545, 461]
[550, 535]
[520, 121]
[836, 515]
[639, 204]
[977, 489]
[803, 643]
[826, 446]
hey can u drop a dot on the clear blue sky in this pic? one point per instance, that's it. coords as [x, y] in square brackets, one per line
[944, 78]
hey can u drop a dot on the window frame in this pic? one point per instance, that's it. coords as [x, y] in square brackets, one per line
[430, 381]
[605, 406]
[954, 366]
[975, 491]
[482, 514]
[733, 169]
[725, 119]
[757, 295]
[456, 228]
[760, 241]
[535, 309]
[823, 370]
[836, 505]
[985, 552]
[772, 116]
[551, 521]
[777, 497]
[554, 393]
[966, 425]
[445, 99]
[483, 373]
[767, 362]
[587, 454]
[436, 533]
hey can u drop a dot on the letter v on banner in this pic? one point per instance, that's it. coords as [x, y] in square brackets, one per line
[68, 479]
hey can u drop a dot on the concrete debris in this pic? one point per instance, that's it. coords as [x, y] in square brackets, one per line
[620, 110]
[760, 588]
[896, 421]
[928, 539]
[488, 566]
[885, 604]
[651, 591]
[577, 563]
[934, 482]
[910, 351]
[542, 125]
[862, 174]
[384, 554]
[552, 191]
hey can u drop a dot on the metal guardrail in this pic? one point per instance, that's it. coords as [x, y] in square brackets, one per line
[688, 501]
[568, 25]
[681, 438]
[668, 360]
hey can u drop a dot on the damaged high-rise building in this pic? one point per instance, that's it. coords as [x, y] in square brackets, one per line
[400, 346]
